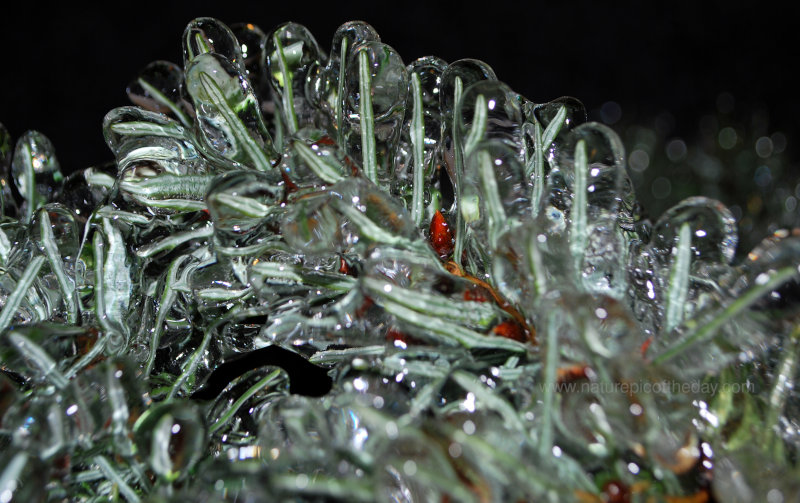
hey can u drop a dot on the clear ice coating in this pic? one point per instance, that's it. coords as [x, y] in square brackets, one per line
[252, 41]
[143, 138]
[241, 205]
[171, 437]
[208, 35]
[712, 230]
[342, 278]
[456, 78]
[325, 85]
[35, 170]
[312, 159]
[586, 185]
[489, 110]
[229, 118]
[291, 52]
[495, 192]
[159, 88]
[566, 112]
[419, 152]
[376, 88]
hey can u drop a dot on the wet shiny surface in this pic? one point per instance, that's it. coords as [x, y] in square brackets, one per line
[411, 284]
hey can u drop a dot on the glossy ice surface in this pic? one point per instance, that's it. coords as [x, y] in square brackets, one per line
[311, 277]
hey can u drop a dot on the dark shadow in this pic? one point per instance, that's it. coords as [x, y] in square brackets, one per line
[305, 378]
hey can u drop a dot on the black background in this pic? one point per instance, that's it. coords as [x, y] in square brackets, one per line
[64, 66]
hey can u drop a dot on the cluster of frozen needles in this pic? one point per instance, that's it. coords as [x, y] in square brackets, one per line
[311, 277]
